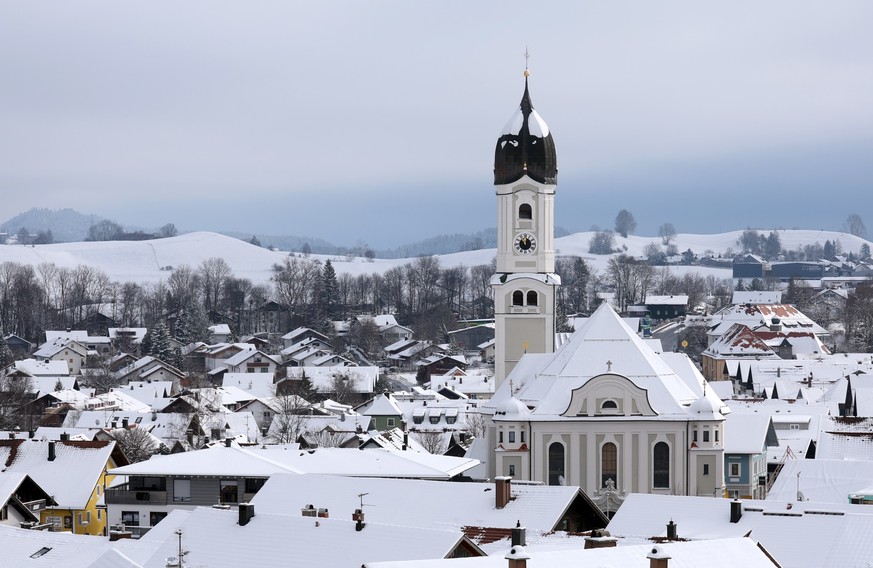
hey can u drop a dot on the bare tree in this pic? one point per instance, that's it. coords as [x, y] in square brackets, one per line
[475, 425]
[855, 226]
[137, 444]
[667, 232]
[98, 375]
[430, 440]
[341, 388]
[289, 416]
[294, 281]
[15, 393]
[213, 272]
[327, 438]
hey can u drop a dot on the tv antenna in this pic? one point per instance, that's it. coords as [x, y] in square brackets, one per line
[361, 498]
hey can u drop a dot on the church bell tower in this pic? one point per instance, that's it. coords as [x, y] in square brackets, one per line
[525, 178]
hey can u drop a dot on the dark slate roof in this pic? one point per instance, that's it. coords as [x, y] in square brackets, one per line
[525, 146]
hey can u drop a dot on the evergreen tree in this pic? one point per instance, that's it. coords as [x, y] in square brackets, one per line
[772, 246]
[329, 292]
[865, 251]
[5, 353]
[59, 386]
[159, 346]
[829, 250]
[254, 241]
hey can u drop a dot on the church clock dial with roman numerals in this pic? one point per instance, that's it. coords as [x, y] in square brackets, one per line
[525, 243]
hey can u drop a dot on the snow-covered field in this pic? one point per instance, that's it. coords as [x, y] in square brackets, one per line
[148, 261]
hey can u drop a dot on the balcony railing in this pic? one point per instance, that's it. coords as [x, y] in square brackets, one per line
[125, 496]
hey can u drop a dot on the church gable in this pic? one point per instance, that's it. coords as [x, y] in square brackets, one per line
[609, 395]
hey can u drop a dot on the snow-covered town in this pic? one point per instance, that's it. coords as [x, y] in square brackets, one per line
[546, 398]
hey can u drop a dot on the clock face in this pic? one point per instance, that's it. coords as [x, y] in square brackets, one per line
[525, 243]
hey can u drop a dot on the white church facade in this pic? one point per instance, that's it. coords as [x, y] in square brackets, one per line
[603, 410]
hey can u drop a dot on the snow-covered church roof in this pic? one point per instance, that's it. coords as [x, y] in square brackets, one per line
[604, 345]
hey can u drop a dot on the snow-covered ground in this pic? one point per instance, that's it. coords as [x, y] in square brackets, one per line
[150, 261]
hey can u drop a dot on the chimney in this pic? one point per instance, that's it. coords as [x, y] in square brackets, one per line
[658, 558]
[11, 435]
[600, 538]
[227, 442]
[51, 456]
[246, 513]
[125, 423]
[31, 433]
[358, 517]
[64, 436]
[502, 487]
[671, 531]
[322, 512]
[308, 511]
[119, 535]
[405, 439]
[518, 535]
[517, 557]
[736, 511]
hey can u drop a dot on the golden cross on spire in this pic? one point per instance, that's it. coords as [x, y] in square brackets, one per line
[526, 59]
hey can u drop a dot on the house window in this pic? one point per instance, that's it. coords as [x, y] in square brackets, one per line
[525, 211]
[794, 426]
[434, 418]
[130, 518]
[608, 464]
[532, 298]
[706, 469]
[556, 463]
[705, 434]
[715, 432]
[736, 468]
[500, 437]
[68, 521]
[522, 436]
[181, 490]
[518, 298]
[264, 370]
[41, 552]
[451, 419]
[512, 469]
[228, 491]
[418, 418]
[661, 466]
[99, 515]
[695, 435]
[156, 517]
[391, 423]
[85, 518]
[512, 436]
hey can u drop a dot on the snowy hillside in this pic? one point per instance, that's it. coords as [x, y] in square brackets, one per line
[150, 261]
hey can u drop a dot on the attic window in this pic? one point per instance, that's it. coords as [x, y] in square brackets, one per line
[609, 406]
[40, 552]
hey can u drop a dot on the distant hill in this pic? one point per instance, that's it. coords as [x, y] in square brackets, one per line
[66, 225]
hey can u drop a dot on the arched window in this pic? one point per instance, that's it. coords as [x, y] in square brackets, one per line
[518, 298]
[608, 463]
[556, 464]
[525, 211]
[661, 466]
[532, 298]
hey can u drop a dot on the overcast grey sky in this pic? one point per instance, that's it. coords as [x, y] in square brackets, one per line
[376, 121]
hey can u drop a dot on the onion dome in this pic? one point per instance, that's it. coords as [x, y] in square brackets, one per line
[705, 408]
[511, 407]
[525, 147]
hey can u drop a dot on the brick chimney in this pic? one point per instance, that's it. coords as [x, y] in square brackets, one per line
[502, 491]
[308, 511]
[600, 538]
[246, 513]
[322, 512]
[517, 557]
[52, 455]
[658, 558]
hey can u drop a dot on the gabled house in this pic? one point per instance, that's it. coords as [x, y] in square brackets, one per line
[62, 349]
[21, 500]
[747, 438]
[737, 343]
[384, 412]
[149, 368]
[301, 334]
[469, 338]
[18, 346]
[251, 361]
[74, 473]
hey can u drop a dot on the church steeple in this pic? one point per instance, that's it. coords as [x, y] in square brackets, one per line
[526, 146]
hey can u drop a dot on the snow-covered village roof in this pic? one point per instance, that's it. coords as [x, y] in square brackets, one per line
[756, 297]
[263, 461]
[42, 368]
[795, 533]
[70, 477]
[764, 316]
[716, 553]
[671, 300]
[259, 385]
[821, 480]
[740, 341]
[605, 344]
[412, 502]
[136, 334]
[53, 336]
[361, 379]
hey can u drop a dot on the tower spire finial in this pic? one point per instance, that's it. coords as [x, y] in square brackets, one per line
[526, 59]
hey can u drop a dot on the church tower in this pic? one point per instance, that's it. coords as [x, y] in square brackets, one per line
[525, 178]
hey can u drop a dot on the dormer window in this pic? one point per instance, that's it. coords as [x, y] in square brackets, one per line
[609, 406]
